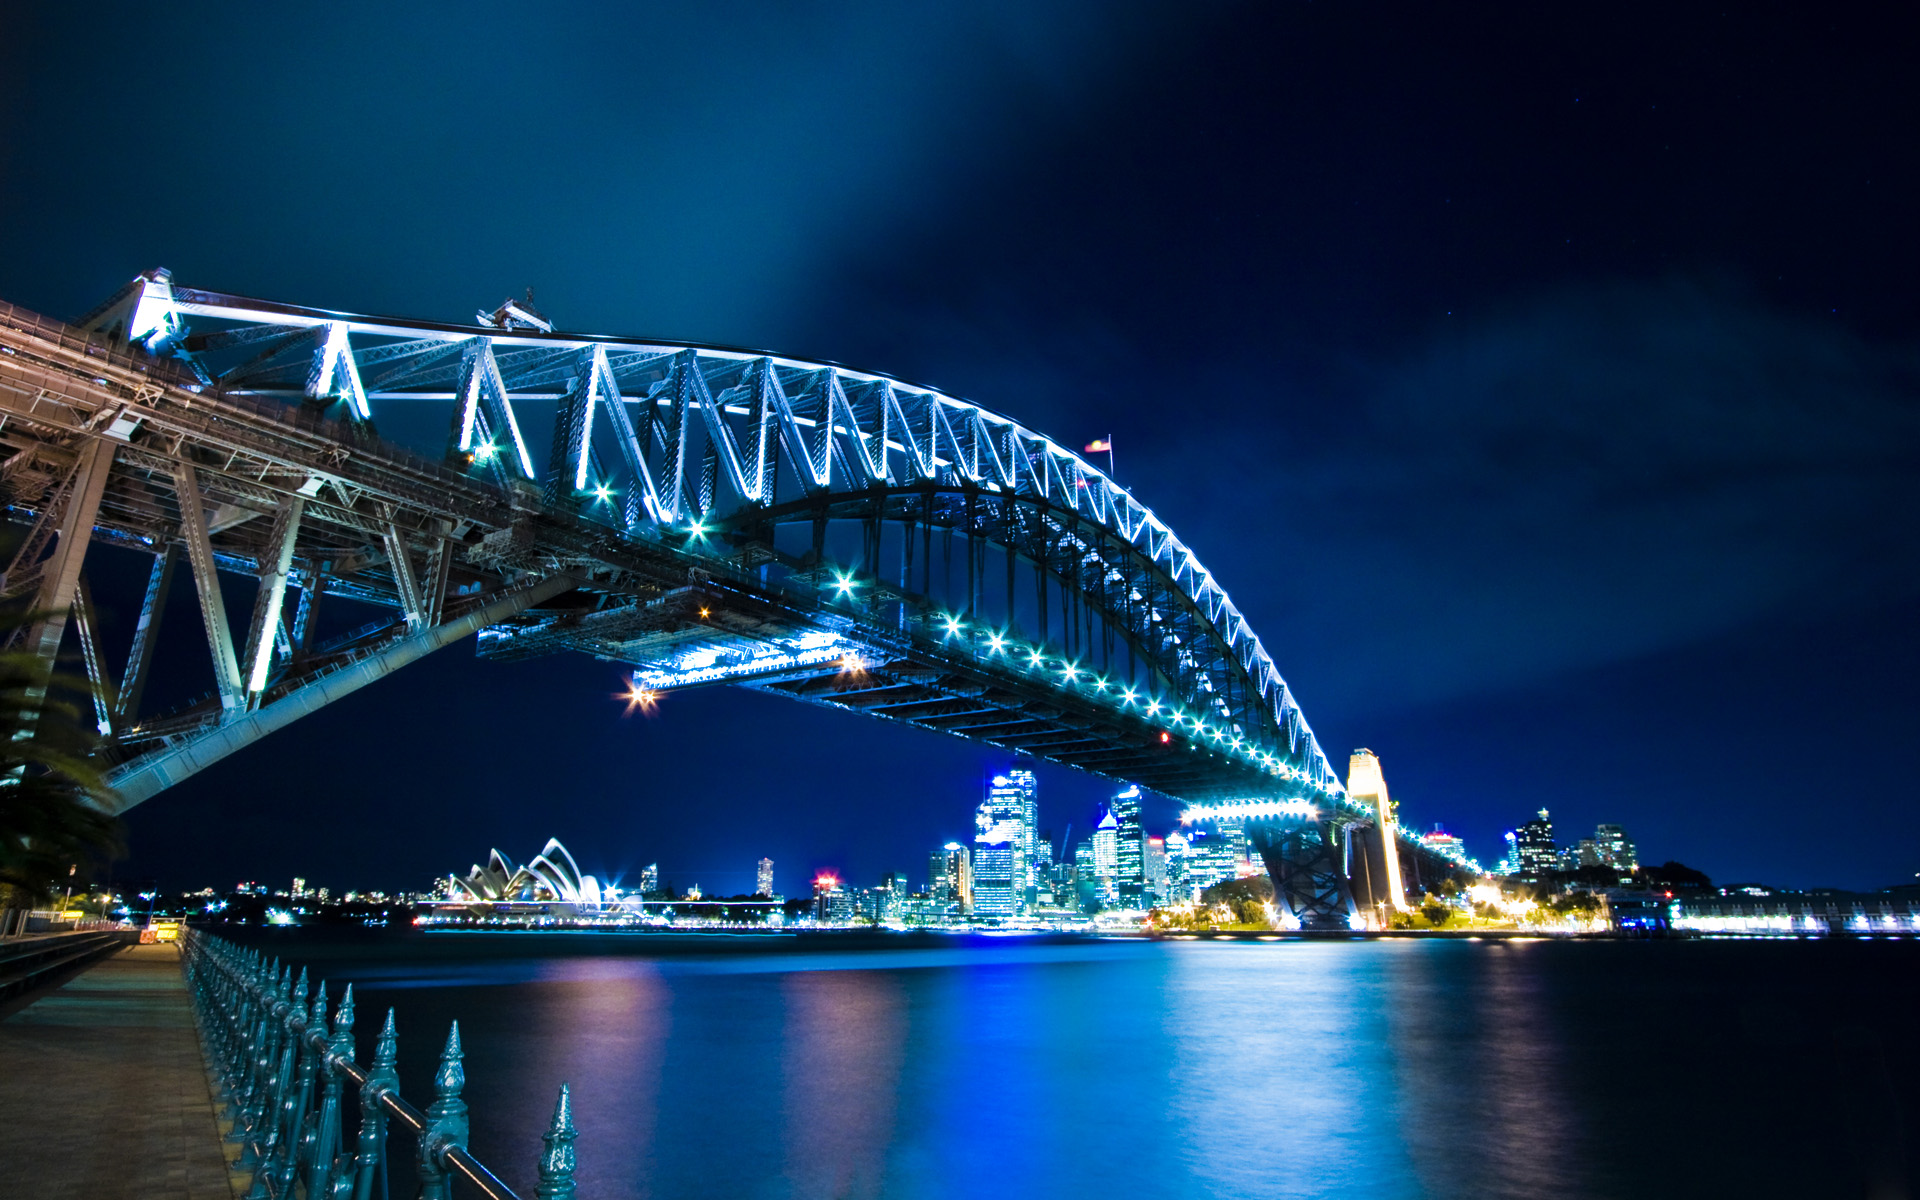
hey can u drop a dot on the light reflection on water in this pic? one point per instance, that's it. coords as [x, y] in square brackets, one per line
[1127, 1069]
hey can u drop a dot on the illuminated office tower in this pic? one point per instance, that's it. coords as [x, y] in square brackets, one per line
[1156, 866]
[1129, 850]
[299, 887]
[763, 880]
[1617, 849]
[1106, 837]
[1008, 815]
[1178, 852]
[650, 879]
[1210, 858]
[1534, 849]
[832, 904]
[993, 880]
[950, 878]
[1042, 866]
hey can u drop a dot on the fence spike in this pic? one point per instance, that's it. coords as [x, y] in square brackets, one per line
[343, 1024]
[556, 1157]
[452, 1076]
[385, 1050]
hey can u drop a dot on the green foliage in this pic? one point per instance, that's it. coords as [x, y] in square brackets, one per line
[53, 799]
[1250, 900]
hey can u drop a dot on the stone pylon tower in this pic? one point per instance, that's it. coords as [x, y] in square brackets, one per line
[1368, 786]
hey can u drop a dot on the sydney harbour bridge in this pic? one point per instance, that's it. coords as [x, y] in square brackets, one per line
[706, 514]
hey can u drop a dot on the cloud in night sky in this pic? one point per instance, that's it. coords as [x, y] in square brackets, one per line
[1596, 474]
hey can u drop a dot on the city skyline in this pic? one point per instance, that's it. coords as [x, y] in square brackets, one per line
[1370, 312]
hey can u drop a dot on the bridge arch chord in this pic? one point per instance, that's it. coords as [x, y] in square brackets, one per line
[708, 449]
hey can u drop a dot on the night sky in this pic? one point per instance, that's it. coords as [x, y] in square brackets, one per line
[1543, 385]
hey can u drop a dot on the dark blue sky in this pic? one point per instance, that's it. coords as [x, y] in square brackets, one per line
[1545, 387]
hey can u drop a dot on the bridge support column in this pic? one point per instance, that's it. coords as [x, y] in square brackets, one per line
[206, 581]
[404, 581]
[146, 633]
[86, 626]
[60, 576]
[1304, 860]
[274, 565]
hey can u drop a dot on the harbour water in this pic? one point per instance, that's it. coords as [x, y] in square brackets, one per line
[1001, 1067]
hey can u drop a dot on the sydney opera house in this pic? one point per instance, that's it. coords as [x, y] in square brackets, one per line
[552, 881]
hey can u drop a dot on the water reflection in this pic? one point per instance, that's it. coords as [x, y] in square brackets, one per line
[1175, 1071]
[1478, 1072]
[845, 1033]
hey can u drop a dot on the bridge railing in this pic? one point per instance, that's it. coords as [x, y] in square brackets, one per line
[284, 1075]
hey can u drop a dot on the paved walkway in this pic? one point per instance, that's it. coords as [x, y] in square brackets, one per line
[103, 1091]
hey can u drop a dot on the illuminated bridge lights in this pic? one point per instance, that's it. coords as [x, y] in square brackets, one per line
[1249, 809]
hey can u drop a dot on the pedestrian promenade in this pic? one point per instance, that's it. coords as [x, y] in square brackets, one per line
[103, 1091]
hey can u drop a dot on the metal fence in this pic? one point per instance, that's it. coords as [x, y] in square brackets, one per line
[284, 1075]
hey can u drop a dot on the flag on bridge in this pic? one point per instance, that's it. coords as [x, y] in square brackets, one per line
[1099, 446]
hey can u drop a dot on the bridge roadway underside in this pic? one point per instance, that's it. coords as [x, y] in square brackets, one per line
[890, 674]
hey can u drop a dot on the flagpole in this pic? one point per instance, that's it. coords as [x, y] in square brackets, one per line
[1109, 455]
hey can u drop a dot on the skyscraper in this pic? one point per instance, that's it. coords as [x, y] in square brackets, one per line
[1106, 836]
[950, 878]
[1616, 848]
[1156, 864]
[831, 902]
[1534, 848]
[1008, 815]
[993, 880]
[649, 879]
[1129, 849]
[764, 878]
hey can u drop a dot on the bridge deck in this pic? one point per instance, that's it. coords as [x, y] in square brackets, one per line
[103, 1091]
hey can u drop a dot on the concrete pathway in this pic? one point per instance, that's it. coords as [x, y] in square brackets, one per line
[103, 1091]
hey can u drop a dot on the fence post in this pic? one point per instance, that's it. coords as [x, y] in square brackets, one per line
[320, 1176]
[373, 1119]
[556, 1156]
[446, 1119]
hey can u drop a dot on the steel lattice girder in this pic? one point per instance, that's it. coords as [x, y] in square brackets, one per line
[689, 437]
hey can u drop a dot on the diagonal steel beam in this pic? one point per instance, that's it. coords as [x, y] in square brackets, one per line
[274, 565]
[87, 629]
[206, 581]
[60, 574]
[145, 777]
[146, 632]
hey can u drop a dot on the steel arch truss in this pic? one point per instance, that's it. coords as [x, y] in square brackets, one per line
[671, 470]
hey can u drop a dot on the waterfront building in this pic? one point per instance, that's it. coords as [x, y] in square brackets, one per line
[1007, 816]
[1617, 849]
[831, 903]
[1510, 861]
[1156, 868]
[1535, 849]
[1129, 849]
[950, 878]
[1042, 891]
[1449, 846]
[552, 877]
[994, 894]
[763, 878]
[649, 879]
[299, 887]
[1178, 849]
[1106, 860]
